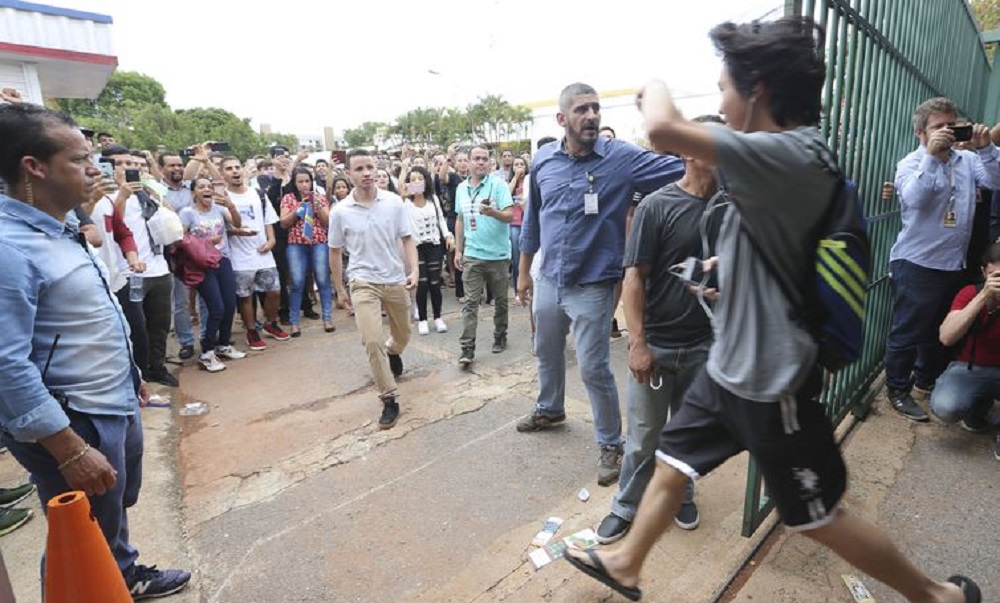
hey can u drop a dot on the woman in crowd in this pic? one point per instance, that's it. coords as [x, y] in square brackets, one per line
[210, 217]
[518, 173]
[305, 214]
[432, 236]
[340, 188]
[384, 181]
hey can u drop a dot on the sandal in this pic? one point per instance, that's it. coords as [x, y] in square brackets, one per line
[295, 332]
[329, 327]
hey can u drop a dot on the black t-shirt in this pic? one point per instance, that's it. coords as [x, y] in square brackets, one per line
[666, 231]
[446, 192]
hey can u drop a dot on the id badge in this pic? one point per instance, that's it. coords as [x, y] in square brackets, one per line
[590, 206]
[950, 219]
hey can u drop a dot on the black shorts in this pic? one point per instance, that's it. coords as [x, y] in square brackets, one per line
[792, 441]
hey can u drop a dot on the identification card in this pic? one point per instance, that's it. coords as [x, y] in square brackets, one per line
[950, 219]
[590, 206]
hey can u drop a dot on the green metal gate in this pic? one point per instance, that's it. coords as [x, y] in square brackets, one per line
[884, 57]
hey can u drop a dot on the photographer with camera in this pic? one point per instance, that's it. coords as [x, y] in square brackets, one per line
[936, 186]
[967, 388]
[74, 423]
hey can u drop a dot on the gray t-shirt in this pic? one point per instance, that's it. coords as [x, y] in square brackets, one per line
[779, 190]
[666, 230]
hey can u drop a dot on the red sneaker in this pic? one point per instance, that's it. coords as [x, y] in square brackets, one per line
[273, 330]
[254, 341]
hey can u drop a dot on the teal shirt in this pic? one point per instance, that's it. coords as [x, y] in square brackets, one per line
[490, 239]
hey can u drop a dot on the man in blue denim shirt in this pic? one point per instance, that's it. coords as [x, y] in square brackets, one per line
[937, 197]
[580, 195]
[75, 425]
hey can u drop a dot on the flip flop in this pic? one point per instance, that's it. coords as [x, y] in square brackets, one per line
[598, 572]
[969, 588]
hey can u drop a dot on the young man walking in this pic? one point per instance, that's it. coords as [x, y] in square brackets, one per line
[371, 224]
[759, 389]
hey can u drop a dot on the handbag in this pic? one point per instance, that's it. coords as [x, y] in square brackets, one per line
[201, 254]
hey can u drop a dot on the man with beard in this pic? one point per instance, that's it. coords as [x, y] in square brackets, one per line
[179, 196]
[580, 194]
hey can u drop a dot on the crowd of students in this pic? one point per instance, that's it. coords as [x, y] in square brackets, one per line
[717, 365]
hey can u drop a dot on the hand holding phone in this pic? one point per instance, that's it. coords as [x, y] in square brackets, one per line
[690, 271]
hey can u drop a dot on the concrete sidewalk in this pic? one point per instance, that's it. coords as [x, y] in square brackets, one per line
[286, 491]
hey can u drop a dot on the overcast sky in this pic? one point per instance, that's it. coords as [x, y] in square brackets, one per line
[301, 65]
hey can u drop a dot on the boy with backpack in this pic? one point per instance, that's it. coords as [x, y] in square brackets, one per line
[759, 389]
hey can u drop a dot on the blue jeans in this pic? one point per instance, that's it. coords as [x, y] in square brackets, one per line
[649, 407]
[218, 291]
[183, 329]
[921, 300]
[120, 440]
[587, 309]
[515, 254]
[962, 393]
[299, 258]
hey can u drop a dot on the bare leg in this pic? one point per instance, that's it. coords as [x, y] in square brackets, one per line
[247, 313]
[655, 515]
[271, 301]
[869, 549]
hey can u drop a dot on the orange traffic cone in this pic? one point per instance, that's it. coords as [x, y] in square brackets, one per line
[79, 567]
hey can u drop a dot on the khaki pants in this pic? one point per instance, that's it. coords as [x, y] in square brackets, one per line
[369, 300]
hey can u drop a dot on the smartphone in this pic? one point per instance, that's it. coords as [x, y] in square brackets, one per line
[132, 176]
[107, 166]
[220, 147]
[689, 271]
[962, 133]
[184, 153]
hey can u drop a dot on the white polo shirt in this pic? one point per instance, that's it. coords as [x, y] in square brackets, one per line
[371, 235]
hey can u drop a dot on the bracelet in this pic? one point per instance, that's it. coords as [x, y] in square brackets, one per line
[74, 458]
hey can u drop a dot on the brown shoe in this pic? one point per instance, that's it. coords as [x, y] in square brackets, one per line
[536, 422]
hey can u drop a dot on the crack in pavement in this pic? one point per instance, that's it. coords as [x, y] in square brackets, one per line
[235, 491]
[337, 508]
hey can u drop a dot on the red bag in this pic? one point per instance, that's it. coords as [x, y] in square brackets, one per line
[201, 254]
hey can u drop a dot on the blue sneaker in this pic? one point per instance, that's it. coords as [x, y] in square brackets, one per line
[148, 582]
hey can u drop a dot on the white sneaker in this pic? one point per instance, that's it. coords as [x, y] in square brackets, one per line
[422, 327]
[211, 362]
[228, 351]
[440, 326]
[416, 313]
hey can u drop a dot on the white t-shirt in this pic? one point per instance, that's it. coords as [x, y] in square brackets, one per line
[110, 253]
[428, 222]
[243, 250]
[156, 265]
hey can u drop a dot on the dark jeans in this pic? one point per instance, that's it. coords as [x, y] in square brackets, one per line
[120, 440]
[150, 323]
[137, 328]
[218, 291]
[429, 256]
[921, 300]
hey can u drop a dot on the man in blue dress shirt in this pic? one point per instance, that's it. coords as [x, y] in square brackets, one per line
[937, 196]
[581, 189]
[74, 423]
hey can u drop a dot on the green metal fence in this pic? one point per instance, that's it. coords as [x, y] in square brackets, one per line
[884, 57]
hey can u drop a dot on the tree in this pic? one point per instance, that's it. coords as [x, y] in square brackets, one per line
[364, 135]
[987, 13]
[125, 93]
[494, 119]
